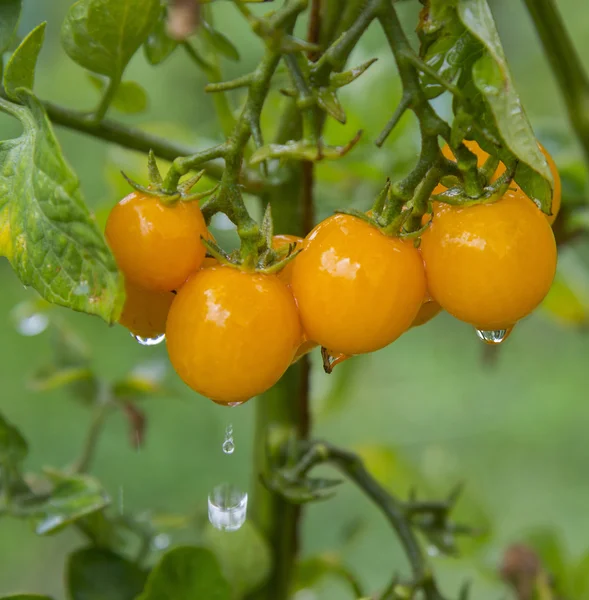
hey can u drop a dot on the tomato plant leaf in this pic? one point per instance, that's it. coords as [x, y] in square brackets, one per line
[159, 45]
[72, 498]
[130, 98]
[491, 77]
[99, 574]
[13, 446]
[9, 16]
[187, 573]
[103, 35]
[244, 556]
[46, 231]
[20, 69]
[220, 42]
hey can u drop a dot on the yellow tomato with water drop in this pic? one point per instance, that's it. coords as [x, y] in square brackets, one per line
[490, 264]
[145, 312]
[231, 334]
[357, 289]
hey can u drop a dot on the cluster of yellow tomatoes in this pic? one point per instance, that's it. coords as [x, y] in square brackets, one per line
[232, 333]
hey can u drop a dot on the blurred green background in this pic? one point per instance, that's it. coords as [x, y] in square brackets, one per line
[434, 409]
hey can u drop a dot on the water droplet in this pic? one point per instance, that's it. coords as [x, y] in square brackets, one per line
[160, 541]
[228, 444]
[234, 404]
[149, 341]
[433, 551]
[82, 289]
[227, 507]
[32, 324]
[495, 336]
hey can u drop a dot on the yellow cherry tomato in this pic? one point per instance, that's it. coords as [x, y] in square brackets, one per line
[357, 289]
[145, 312]
[489, 264]
[156, 246]
[231, 334]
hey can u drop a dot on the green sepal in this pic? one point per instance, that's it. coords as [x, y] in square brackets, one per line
[381, 199]
[328, 101]
[217, 252]
[276, 267]
[267, 228]
[338, 80]
[354, 212]
[155, 177]
[303, 150]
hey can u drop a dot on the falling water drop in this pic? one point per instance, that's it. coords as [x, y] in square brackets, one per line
[495, 336]
[227, 507]
[228, 444]
[149, 341]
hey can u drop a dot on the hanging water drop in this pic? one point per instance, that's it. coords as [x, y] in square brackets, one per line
[228, 444]
[149, 341]
[493, 336]
[227, 507]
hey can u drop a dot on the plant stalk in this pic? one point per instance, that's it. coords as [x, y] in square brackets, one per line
[566, 66]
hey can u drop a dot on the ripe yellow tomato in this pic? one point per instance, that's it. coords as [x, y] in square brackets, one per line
[489, 264]
[231, 334]
[280, 241]
[156, 246]
[429, 309]
[145, 312]
[357, 289]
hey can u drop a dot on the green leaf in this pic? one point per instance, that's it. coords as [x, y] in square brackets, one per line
[311, 571]
[13, 446]
[492, 78]
[220, 42]
[103, 35]
[130, 98]
[71, 499]
[98, 574]
[46, 231]
[244, 556]
[9, 16]
[159, 45]
[20, 69]
[187, 573]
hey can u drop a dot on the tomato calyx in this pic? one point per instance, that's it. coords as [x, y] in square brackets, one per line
[267, 259]
[155, 187]
[457, 196]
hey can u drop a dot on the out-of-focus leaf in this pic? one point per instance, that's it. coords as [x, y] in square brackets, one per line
[20, 69]
[580, 578]
[244, 556]
[311, 571]
[72, 497]
[129, 99]
[551, 551]
[46, 231]
[159, 45]
[187, 573]
[46, 379]
[568, 298]
[9, 16]
[338, 394]
[220, 42]
[13, 446]
[492, 78]
[144, 380]
[103, 35]
[98, 574]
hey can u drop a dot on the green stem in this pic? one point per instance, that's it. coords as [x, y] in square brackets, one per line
[566, 66]
[135, 139]
[105, 102]
[394, 509]
[91, 443]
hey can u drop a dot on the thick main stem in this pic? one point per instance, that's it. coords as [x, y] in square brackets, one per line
[566, 65]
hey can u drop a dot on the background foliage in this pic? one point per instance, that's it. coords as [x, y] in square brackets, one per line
[434, 407]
